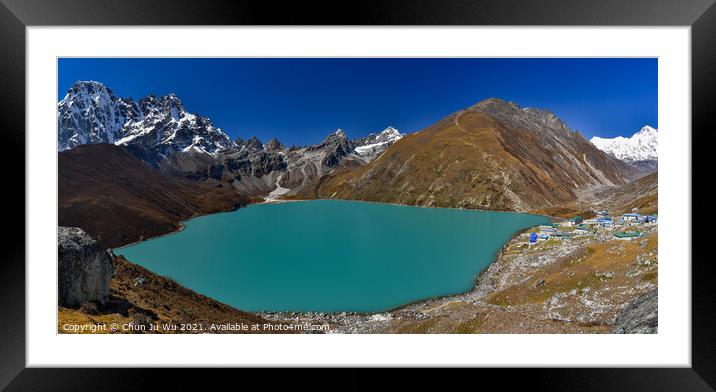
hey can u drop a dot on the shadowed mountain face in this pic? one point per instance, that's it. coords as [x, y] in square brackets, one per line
[118, 199]
[493, 155]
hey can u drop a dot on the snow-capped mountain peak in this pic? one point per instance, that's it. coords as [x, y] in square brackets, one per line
[91, 106]
[172, 104]
[391, 132]
[642, 146]
[90, 113]
[374, 144]
[647, 131]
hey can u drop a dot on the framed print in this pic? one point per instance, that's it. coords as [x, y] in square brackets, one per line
[430, 184]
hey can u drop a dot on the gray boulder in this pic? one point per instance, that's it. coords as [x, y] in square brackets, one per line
[641, 316]
[84, 268]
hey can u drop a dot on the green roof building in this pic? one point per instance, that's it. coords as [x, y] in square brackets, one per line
[626, 235]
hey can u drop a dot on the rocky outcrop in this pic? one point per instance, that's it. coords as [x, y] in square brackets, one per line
[274, 145]
[84, 268]
[641, 316]
[251, 145]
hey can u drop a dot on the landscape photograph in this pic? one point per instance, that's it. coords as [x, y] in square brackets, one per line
[357, 195]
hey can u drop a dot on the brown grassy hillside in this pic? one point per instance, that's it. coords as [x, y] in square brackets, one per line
[118, 199]
[493, 155]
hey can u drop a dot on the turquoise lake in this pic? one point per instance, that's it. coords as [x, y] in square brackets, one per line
[330, 255]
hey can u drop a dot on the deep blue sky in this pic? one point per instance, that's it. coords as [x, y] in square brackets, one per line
[300, 101]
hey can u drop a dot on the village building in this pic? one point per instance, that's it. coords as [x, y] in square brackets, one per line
[605, 222]
[627, 235]
[563, 234]
[631, 217]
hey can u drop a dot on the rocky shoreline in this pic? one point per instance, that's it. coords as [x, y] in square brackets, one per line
[486, 305]
[518, 273]
[355, 322]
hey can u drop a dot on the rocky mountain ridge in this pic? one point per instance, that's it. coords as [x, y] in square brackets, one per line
[492, 155]
[159, 131]
[91, 113]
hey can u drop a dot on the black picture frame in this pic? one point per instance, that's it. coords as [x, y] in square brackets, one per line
[16, 15]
